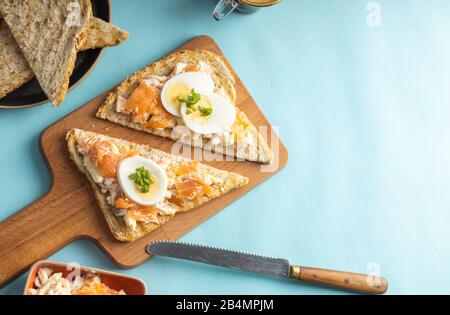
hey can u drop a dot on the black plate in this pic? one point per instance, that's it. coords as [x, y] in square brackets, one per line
[31, 94]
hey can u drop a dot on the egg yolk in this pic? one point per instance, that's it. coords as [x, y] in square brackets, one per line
[153, 190]
[175, 92]
[197, 115]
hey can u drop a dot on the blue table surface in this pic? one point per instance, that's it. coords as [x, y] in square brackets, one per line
[364, 112]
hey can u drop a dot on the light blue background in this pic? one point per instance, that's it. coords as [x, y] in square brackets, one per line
[363, 111]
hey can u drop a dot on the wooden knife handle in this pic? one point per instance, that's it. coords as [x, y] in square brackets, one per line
[342, 280]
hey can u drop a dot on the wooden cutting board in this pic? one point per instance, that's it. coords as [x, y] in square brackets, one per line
[69, 212]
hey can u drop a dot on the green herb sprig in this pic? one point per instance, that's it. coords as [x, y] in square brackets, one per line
[143, 179]
[191, 100]
[205, 111]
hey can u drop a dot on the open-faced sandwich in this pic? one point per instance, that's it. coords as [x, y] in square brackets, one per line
[188, 96]
[139, 188]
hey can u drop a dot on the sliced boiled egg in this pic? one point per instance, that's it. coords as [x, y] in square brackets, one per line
[156, 190]
[180, 87]
[212, 114]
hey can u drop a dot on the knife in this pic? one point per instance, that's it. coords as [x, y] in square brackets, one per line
[268, 266]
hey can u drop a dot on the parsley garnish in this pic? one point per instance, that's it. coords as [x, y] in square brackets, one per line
[192, 99]
[205, 111]
[143, 179]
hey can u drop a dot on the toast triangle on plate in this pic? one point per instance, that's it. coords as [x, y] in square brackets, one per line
[189, 183]
[49, 38]
[14, 68]
[101, 34]
[242, 140]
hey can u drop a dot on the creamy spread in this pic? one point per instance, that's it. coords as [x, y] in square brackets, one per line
[211, 180]
[93, 170]
[179, 68]
[120, 104]
[110, 187]
[166, 208]
[131, 223]
[156, 81]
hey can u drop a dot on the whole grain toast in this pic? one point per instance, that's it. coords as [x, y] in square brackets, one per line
[224, 81]
[49, 33]
[14, 68]
[117, 225]
[101, 34]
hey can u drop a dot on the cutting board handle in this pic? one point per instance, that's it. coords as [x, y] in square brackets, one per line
[31, 235]
[342, 280]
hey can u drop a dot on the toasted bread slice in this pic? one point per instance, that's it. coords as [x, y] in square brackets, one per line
[49, 33]
[102, 34]
[257, 151]
[220, 181]
[14, 68]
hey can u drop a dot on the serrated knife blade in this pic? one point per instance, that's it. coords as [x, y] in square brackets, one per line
[268, 266]
[222, 258]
